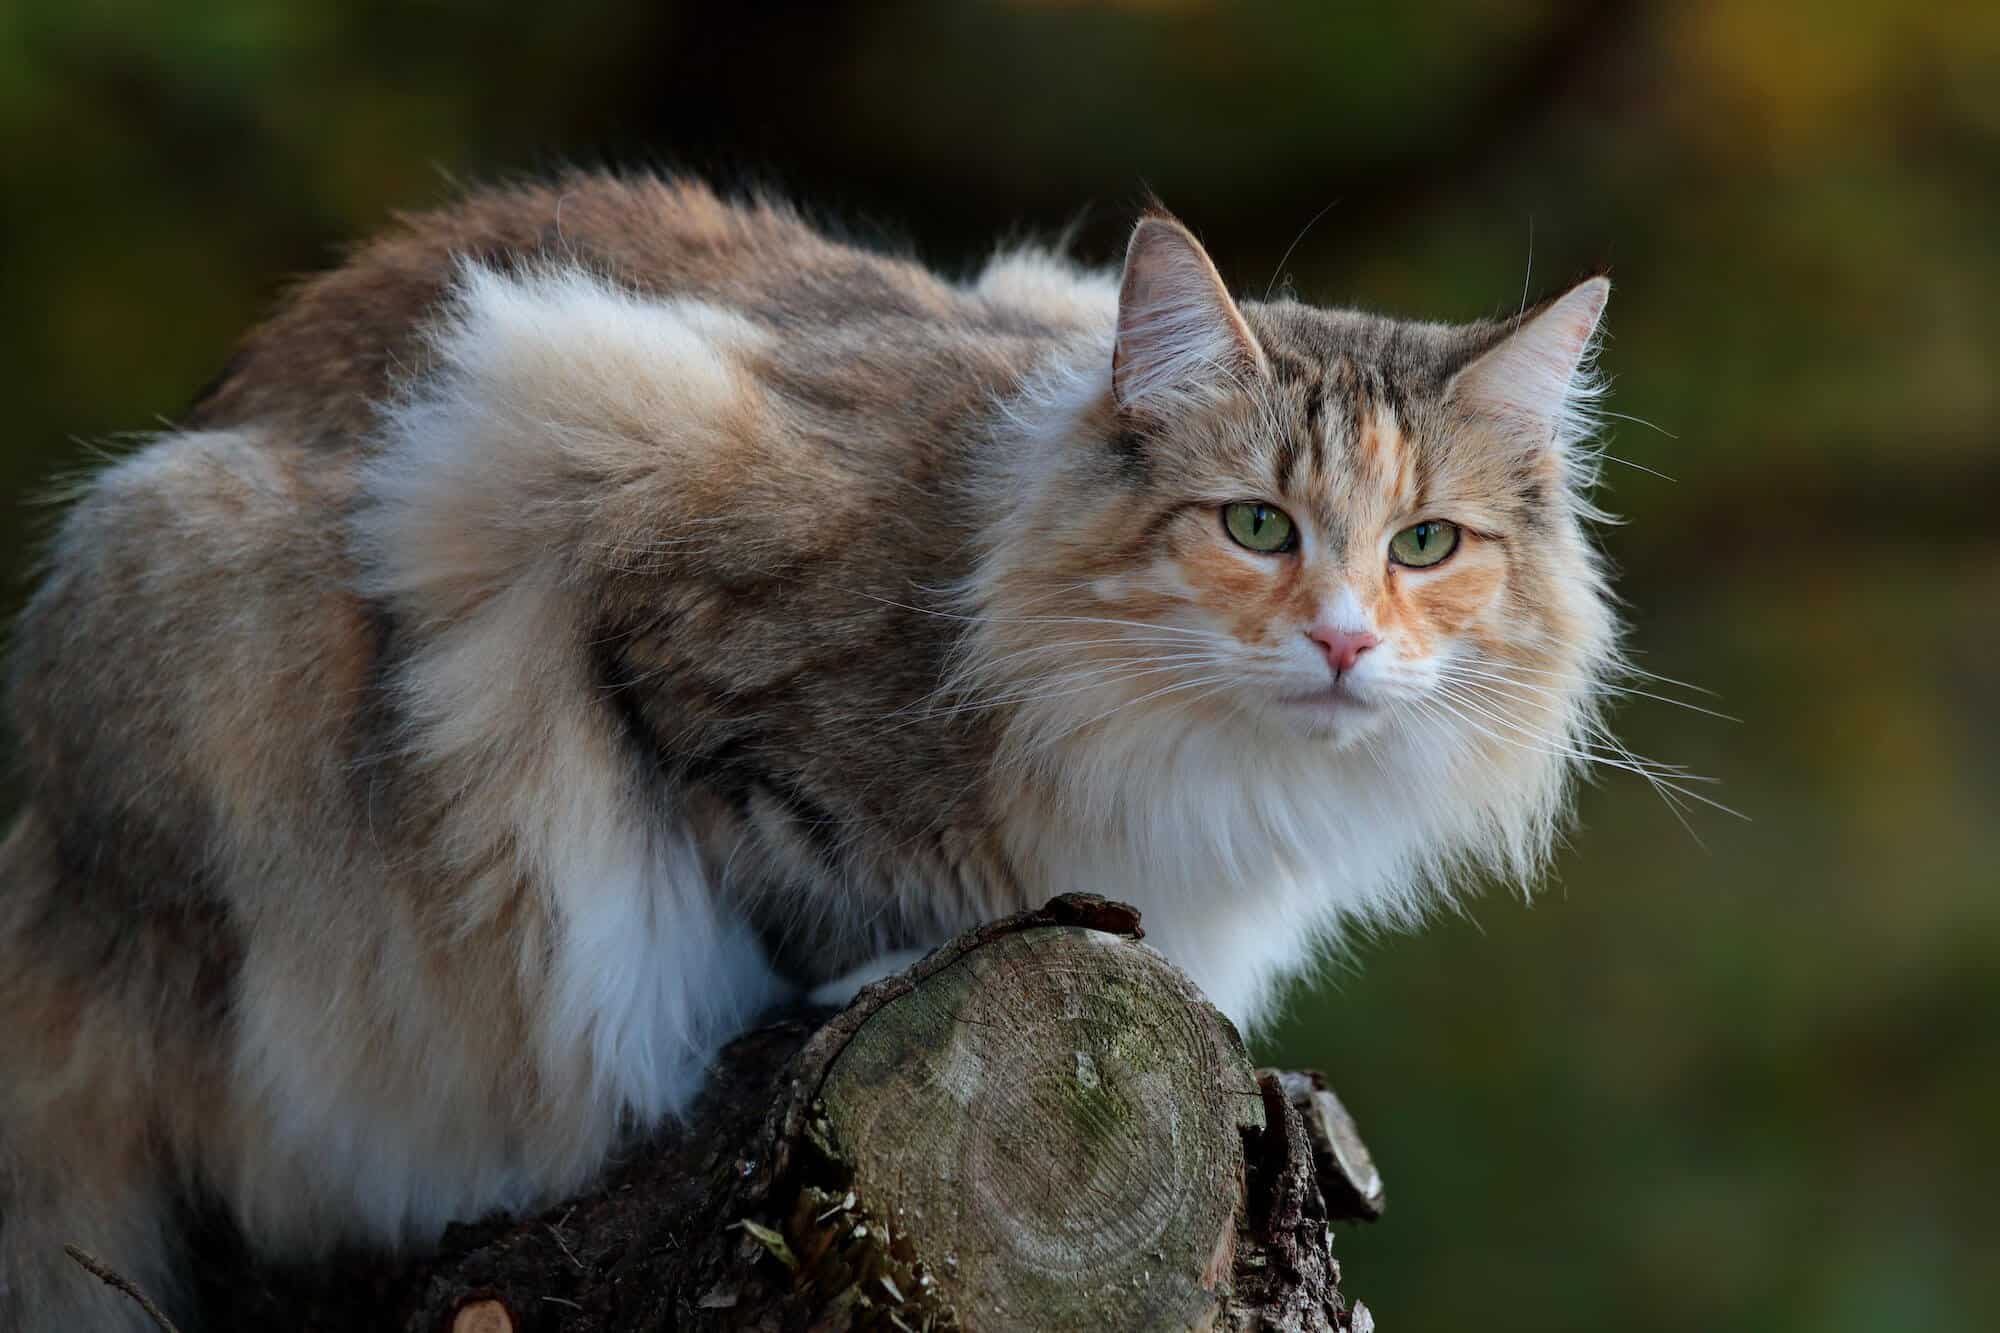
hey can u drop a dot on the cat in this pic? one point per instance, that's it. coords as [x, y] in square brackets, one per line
[601, 609]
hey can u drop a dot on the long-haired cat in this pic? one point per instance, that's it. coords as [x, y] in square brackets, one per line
[598, 610]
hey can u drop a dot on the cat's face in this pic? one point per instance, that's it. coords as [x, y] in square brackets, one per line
[1346, 547]
[1328, 526]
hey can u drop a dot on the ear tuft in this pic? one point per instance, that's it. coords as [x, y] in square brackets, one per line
[1536, 382]
[1180, 336]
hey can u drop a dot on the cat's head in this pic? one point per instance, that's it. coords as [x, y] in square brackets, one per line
[1326, 529]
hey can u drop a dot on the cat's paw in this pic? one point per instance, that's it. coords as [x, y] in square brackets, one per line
[840, 992]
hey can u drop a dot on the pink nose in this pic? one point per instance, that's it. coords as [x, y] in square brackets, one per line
[1343, 647]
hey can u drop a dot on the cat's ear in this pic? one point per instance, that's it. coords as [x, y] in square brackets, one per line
[1180, 337]
[1535, 382]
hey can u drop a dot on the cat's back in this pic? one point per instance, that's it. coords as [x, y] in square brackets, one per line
[846, 318]
[205, 601]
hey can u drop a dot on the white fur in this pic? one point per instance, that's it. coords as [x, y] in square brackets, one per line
[840, 991]
[474, 504]
[498, 442]
[1245, 848]
[1049, 286]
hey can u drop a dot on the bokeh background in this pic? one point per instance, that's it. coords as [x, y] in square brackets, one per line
[1728, 1075]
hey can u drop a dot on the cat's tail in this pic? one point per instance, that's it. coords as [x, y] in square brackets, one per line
[82, 1162]
[97, 1198]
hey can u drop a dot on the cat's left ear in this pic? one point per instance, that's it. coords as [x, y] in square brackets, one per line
[1535, 382]
[1180, 336]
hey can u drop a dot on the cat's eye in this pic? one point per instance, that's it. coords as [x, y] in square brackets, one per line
[1259, 527]
[1423, 544]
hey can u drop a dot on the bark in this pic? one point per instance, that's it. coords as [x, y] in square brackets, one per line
[1041, 1126]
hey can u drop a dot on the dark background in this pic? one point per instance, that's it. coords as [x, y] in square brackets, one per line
[1727, 1076]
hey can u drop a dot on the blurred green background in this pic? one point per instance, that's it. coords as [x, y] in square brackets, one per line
[1746, 1082]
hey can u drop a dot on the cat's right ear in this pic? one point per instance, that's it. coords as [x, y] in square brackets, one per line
[1181, 338]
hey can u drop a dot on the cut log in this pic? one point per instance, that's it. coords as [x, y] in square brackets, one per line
[1040, 1126]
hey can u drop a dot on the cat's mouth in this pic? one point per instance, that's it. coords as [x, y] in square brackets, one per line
[1333, 694]
[1333, 706]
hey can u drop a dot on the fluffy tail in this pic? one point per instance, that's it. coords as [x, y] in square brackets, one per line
[82, 1158]
[96, 1198]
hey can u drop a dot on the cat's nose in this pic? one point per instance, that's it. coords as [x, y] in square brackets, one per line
[1343, 647]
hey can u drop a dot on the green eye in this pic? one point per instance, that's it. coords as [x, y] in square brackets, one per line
[1424, 544]
[1258, 526]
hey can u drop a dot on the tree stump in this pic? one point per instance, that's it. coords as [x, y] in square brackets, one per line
[1040, 1126]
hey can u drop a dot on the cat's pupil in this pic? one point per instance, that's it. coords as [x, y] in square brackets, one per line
[1423, 535]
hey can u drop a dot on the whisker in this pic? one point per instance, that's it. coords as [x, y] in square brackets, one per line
[1033, 691]
[1664, 778]
[1285, 258]
[986, 666]
[1605, 737]
[1461, 671]
[1622, 669]
[1610, 457]
[1670, 794]
[1221, 680]
[1639, 421]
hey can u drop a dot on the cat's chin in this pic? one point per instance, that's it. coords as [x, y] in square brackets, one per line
[1335, 715]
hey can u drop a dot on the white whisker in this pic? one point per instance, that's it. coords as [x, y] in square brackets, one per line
[1459, 670]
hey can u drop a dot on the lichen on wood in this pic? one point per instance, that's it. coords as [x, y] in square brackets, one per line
[1064, 1114]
